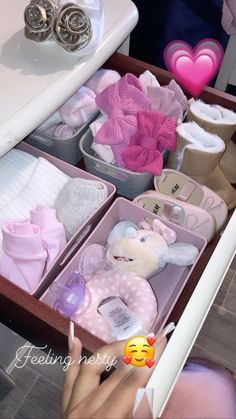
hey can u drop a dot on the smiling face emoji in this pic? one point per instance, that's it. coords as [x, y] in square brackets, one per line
[139, 352]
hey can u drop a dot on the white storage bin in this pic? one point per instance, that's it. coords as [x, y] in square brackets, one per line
[129, 184]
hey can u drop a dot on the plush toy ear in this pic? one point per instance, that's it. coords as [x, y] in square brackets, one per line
[182, 254]
[162, 255]
[122, 229]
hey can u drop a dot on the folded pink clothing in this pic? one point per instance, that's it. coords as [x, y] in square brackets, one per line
[155, 133]
[24, 259]
[79, 108]
[121, 102]
[52, 232]
[60, 131]
[102, 79]
[229, 16]
[75, 112]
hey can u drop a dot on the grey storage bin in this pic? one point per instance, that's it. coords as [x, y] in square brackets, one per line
[66, 149]
[129, 184]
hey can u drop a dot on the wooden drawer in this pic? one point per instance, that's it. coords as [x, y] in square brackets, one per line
[40, 324]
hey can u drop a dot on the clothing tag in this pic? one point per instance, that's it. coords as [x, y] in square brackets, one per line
[120, 318]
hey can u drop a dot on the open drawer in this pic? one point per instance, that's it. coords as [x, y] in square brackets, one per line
[39, 323]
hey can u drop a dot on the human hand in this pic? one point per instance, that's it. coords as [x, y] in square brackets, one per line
[84, 396]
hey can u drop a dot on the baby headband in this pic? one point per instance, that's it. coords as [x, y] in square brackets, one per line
[76, 26]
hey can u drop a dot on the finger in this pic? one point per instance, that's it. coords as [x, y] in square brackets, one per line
[73, 366]
[99, 395]
[90, 372]
[120, 402]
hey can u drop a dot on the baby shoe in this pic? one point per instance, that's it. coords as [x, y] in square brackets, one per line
[52, 232]
[24, 259]
[77, 201]
[180, 186]
[186, 215]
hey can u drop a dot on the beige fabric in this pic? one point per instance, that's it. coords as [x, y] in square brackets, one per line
[228, 162]
[203, 167]
[224, 131]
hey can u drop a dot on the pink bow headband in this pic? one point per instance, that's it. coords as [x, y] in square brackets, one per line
[121, 102]
[155, 133]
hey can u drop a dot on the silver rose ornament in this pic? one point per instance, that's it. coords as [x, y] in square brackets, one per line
[71, 28]
[38, 17]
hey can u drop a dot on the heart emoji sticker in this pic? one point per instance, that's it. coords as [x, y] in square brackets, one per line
[151, 340]
[194, 67]
[150, 363]
[127, 359]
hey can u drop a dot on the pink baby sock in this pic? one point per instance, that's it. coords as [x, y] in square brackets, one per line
[52, 232]
[23, 262]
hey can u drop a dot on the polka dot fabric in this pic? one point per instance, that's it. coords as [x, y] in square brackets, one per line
[132, 289]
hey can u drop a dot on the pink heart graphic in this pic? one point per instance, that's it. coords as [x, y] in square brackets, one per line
[194, 68]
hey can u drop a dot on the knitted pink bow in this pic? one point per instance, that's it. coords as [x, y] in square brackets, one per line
[155, 133]
[121, 102]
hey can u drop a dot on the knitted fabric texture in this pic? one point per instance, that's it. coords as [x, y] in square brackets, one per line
[78, 200]
[155, 133]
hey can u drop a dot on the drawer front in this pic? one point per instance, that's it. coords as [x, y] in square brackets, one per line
[38, 322]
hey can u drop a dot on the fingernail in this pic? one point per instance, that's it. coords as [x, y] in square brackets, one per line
[71, 336]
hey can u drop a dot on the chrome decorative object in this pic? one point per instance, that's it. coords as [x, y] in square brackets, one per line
[38, 16]
[71, 27]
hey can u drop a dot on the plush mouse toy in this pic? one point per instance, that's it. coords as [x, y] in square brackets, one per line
[145, 249]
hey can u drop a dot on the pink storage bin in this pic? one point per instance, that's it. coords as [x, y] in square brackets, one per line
[167, 285]
[80, 236]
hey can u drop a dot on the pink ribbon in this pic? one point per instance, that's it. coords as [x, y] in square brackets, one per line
[121, 102]
[155, 133]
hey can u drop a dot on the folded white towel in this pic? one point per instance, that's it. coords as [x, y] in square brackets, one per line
[199, 139]
[212, 113]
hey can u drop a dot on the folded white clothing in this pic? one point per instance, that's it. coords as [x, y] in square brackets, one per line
[104, 152]
[16, 168]
[199, 139]
[77, 201]
[212, 113]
